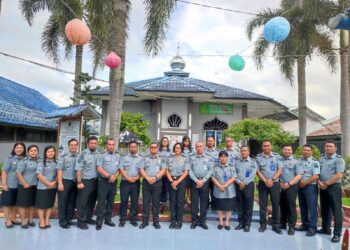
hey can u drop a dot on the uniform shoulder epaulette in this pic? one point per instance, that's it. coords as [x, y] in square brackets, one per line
[338, 156]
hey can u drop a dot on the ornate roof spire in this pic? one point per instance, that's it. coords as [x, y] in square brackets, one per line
[177, 63]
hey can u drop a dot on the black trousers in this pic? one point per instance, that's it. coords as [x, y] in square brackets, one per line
[288, 206]
[105, 198]
[274, 193]
[151, 193]
[177, 201]
[245, 203]
[199, 202]
[331, 203]
[86, 199]
[132, 191]
[67, 201]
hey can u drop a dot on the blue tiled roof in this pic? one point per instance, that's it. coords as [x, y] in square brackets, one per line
[71, 111]
[173, 82]
[17, 94]
[14, 114]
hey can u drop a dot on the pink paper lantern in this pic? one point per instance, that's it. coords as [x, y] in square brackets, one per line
[112, 60]
[77, 32]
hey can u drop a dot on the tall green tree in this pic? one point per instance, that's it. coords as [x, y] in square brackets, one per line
[306, 39]
[157, 18]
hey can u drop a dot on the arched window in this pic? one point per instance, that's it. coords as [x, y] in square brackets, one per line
[215, 124]
[174, 121]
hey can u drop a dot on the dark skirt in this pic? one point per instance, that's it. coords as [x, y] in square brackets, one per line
[9, 198]
[227, 204]
[26, 196]
[45, 198]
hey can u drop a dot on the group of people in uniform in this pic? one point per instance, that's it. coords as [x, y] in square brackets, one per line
[202, 176]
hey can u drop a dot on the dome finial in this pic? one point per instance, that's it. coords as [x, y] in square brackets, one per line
[177, 63]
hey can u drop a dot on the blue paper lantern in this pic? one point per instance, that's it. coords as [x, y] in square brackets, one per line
[276, 29]
[236, 63]
[340, 21]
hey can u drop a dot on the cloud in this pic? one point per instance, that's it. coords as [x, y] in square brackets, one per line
[200, 31]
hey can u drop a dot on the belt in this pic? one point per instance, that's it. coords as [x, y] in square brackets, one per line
[175, 177]
[200, 178]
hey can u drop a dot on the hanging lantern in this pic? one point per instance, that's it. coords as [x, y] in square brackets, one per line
[77, 32]
[345, 243]
[340, 21]
[236, 63]
[112, 60]
[276, 29]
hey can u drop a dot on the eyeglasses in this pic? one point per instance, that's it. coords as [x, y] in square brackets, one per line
[154, 147]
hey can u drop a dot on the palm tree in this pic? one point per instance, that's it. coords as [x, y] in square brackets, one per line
[157, 17]
[306, 39]
[53, 34]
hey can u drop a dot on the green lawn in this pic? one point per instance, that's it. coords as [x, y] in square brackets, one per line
[346, 201]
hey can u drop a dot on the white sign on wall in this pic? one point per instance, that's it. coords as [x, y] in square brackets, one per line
[68, 130]
[174, 139]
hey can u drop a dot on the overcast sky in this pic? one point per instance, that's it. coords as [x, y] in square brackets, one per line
[199, 30]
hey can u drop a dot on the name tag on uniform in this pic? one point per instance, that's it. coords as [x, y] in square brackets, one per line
[272, 167]
[247, 173]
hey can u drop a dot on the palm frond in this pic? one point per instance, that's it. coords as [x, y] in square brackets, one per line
[31, 7]
[157, 18]
[260, 49]
[51, 38]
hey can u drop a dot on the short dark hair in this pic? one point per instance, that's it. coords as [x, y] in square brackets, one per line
[331, 141]
[210, 137]
[109, 139]
[245, 146]
[266, 140]
[13, 153]
[308, 146]
[223, 152]
[152, 143]
[71, 140]
[32, 146]
[132, 142]
[286, 145]
[92, 138]
[178, 143]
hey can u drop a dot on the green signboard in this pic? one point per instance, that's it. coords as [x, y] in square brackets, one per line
[215, 109]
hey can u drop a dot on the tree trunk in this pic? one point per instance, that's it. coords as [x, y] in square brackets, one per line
[116, 76]
[302, 108]
[345, 97]
[78, 69]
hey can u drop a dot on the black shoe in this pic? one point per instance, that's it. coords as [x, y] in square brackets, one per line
[48, 226]
[335, 239]
[44, 227]
[64, 225]
[16, 223]
[99, 224]
[310, 233]
[239, 227]
[228, 228]
[291, 231]
[204, 226]
[82, 225]
[134, 223]
[262, 228]
[31, 224]
[283, 226]
[322, 231]
[178, 225]
[246, 229]
[172, 225]
[121, 223]
[91, 222]
[25, 226]
[193, 225]
[302, 229]
[143, 225]
[110, 223]
[8, 226]
[220, 227]
[276, 229]
[156, 225]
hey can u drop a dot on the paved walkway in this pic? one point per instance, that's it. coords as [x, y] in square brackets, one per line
[133, 238]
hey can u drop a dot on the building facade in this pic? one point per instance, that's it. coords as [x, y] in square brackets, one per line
[176, 105]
